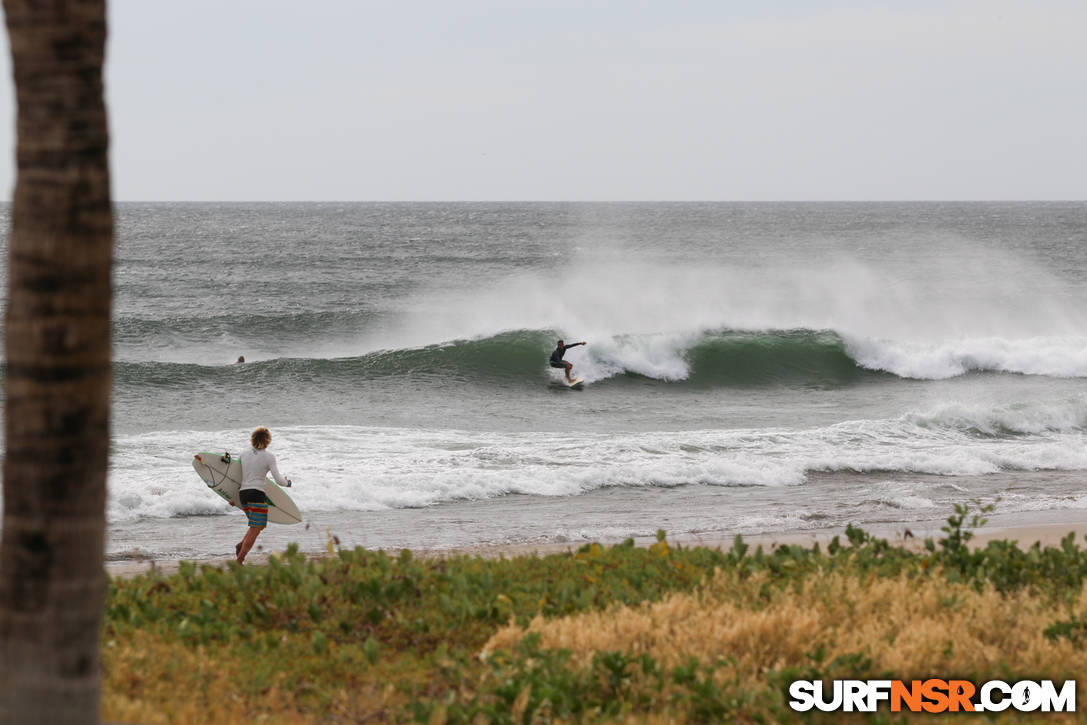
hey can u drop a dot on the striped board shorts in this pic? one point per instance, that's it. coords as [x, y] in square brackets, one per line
[255, 505]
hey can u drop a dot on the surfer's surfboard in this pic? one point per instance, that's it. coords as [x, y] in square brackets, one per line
[576, 382]
[223, 474]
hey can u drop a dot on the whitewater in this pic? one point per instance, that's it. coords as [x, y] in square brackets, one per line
[751, 368]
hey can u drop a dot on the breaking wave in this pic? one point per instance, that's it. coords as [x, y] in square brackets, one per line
[718, 358]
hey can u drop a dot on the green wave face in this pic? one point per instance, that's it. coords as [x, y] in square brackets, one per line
[715, 359]
[772, 358]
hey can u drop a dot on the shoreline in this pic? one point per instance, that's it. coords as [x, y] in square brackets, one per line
[1011, 527]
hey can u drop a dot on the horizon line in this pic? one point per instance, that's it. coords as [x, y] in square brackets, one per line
[593, 201]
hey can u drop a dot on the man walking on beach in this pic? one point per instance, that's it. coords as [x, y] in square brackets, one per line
[257, 463]
[558, 362]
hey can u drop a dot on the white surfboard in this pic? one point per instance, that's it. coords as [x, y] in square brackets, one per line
[223, 474]
[576, 382]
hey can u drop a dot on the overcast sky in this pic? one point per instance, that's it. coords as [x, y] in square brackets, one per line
[655, 100]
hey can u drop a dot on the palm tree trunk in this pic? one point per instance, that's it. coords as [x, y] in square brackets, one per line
[58, 378]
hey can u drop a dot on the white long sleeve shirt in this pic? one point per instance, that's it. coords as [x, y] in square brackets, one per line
[255, 466]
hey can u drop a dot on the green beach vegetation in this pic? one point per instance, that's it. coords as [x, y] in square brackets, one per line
[620, 633]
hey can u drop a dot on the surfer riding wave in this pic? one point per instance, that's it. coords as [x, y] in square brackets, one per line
[558, 362]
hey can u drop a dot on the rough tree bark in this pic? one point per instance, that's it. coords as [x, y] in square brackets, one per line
[58, 376]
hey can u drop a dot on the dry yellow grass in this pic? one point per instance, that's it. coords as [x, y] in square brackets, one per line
[149, 682]
[909, 628]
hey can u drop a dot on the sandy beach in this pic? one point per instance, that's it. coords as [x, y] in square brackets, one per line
[1045, 532]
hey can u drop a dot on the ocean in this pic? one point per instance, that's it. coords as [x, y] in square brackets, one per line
[752, 368]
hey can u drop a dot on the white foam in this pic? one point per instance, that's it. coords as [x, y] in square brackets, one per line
[1059, 356]
[660, 356]
[1035, 418]
[346, 468]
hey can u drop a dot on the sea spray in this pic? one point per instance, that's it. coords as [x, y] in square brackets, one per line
[922, 301]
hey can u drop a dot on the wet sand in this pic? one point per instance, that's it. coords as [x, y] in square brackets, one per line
[1045, 532]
